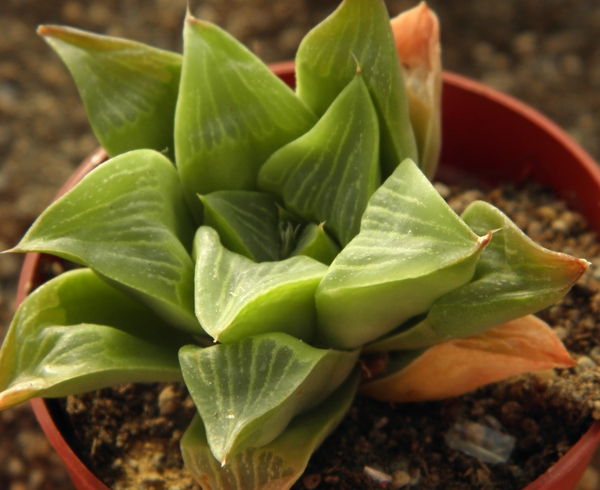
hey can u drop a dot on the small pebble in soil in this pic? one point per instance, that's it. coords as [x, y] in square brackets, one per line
[585, 363]
[487, 444]
[168, 402]
[311, 481]
[400, 479]
[378, 476]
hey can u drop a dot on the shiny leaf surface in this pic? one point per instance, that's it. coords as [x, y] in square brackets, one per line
[411, 250]
[314, 242]
[236, 297]
[277, 465]
[127, 220]
[328, 175]
[247, 222]
[359, 32]
[76, 334]
[248, 391]
[513, 278]
[129, 89]
[232, 113]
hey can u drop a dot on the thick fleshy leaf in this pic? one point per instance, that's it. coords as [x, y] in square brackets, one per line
[417, 36]
[127, 220]
[277, 465]
[236, 297]
[247, 222]
[329, 174]
[232, 113]
[461, 365]
[314, 242]
[513, 278]
[76, 334]
[248, 391]
[129, 89]
[359, 31]
[411, 250]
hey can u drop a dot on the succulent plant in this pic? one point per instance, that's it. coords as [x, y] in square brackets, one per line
[254, 242]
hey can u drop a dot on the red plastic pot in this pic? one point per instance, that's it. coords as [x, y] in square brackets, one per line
[485, 133]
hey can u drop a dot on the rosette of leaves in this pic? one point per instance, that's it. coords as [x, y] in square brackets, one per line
[251, 241]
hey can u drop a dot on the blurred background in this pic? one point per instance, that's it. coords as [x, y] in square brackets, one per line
[545, 52]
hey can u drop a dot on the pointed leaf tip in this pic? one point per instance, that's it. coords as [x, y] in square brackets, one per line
[44, 30]
[328, 174]
[515, 275]
[277, 465]
[412, 249]
[129, 89]
[247, 392]
[221, 145]
[236, 297]
[325, 66]
[55, 348]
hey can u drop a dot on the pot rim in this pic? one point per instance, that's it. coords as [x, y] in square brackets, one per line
[575, 460]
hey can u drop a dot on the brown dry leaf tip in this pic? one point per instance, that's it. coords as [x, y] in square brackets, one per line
[462, 365]
[482, 241]
[581, 265]
[45, 30]
[60, 32]
[417, 35]
[189, 17]
[68, 34]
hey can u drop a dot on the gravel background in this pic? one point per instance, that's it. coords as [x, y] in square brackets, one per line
[546, 52]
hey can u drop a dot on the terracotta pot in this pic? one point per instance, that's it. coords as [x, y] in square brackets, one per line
[485, 133]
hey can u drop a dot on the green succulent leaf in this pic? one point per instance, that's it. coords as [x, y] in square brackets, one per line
[236, 297]
[513, 278]
[329, 174]
[359, 31]
[276, 465]
[76, 334]
[248, 391]
[127, 220]
[129, 89]
[247, 222]
[411, 250]
[232, 113]
[314, 242]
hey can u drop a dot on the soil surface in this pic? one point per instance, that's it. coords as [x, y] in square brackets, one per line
[544, 52]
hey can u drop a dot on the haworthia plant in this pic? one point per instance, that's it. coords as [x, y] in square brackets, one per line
[127, 220]
[247, 392]
[274, 465]
[220, 149]
[411, 250]
[329, 174]
[247, 222]
[253, 241]
[236, 298]
[129, 89]
[76, 334]
[531, 277]
[359, 32]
